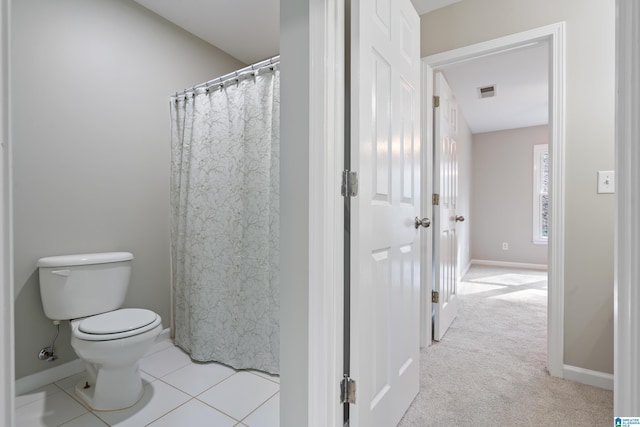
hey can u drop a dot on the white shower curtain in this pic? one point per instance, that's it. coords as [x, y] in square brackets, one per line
[225, 222]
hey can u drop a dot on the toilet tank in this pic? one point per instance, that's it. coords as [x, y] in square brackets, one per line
[73, 286]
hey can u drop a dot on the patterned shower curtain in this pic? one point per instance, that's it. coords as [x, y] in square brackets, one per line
[225, 222]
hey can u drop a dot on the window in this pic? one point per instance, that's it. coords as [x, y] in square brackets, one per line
[541, 194]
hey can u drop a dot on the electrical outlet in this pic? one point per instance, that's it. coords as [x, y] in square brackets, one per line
[505, 246]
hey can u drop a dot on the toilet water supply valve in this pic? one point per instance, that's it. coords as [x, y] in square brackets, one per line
[47, 352]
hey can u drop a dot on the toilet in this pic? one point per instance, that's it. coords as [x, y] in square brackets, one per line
[88, 290]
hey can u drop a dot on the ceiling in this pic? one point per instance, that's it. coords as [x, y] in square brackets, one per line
[520, 75]
[426, 6]
[227, 24]
[247, 36]
[522, 89]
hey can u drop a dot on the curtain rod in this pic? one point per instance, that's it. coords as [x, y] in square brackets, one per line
[219, 81]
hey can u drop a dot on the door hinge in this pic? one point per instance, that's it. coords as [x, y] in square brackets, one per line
[349, 183]
[435, 199]
[347, 390]
[435, 296]
[436, 101]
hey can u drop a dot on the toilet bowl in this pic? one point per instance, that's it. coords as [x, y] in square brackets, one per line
[88, 290]
[111, 344]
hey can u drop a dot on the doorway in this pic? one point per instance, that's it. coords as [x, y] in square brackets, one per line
[554, 36]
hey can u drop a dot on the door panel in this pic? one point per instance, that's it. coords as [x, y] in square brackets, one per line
[445, 183]
[385, 245]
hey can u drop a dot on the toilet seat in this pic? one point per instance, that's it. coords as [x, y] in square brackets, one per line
[118, 324]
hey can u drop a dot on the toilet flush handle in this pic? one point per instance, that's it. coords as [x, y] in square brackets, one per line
[61, 272]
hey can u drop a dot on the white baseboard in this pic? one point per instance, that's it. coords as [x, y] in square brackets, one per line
[509, 264]
[589, 377]
[42, 378]
[48, 376]
[465, 270]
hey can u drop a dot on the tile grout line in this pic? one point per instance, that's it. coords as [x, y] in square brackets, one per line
[70, 391]
[213, 407]
[189, 394]
[82, 415]
[258, 375]
[259, 406]
[216, 384]
[164, 415]
[170, 372]
[38, 399]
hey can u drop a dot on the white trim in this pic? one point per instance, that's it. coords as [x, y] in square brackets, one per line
[539, 150]
[466, 270]
[7, 363]
[521, 265]
[588, 377]
[426, 261]
[555, 308]
[48, 376]
[626, 396]
[326, 157]
[554, 35]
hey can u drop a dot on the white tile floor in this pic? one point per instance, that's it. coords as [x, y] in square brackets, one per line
[177, 392]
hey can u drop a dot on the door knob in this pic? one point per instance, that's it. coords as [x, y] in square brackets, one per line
[425, 222]
[459, 218]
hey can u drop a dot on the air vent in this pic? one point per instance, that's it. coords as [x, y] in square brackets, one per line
[487, 91]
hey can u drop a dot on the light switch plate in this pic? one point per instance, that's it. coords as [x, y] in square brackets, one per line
[606, 182]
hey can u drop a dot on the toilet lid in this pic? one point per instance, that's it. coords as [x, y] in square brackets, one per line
[115, 322]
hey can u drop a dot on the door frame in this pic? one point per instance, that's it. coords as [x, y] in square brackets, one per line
[626, 392]
[312, 226]
[7, 389]
[554, 34]
[326, 215]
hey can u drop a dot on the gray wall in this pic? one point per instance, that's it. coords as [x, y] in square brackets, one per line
[589, 226]
[502, 201]
[91, 85]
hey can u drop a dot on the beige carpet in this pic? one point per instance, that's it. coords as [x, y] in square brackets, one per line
[489, 370]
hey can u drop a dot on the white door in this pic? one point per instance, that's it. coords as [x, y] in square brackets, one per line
[385, 248]
[445, 218]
